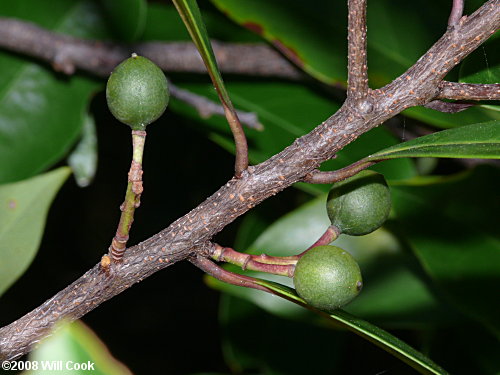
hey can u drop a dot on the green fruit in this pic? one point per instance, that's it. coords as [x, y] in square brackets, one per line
[327, 277]
[360, 204]
[137, 92]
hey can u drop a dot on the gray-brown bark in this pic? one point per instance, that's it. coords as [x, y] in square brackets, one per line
[191, 234]
[67, 53]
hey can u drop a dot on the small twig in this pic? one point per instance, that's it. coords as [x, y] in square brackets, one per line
[457, 10]
[446, 107]
[188, 11]
[320, 177]
[68, 53]
[240, 140]
[283, 266]
[330, 235]
[221, 274]
[132, 197]
[468, 91]
[206, 108]
[357, 86]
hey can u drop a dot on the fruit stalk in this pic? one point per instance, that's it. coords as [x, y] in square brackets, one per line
[226, 276]
[132, 197]
[283, 266]
[330, 235]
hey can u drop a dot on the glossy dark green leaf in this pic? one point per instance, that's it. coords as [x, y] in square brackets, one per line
[480, 141]
[163, 23]
[127, 17]
[400, 39]
[398, 34]
[83, 159]
[438, 119]
[452, 226]
[71, 345]
[311, 34]
[468, 350]
[190, 14]
[253, 340]
[372, 333]
[23, 209]
[482, 65]
[398, 295]
[41, 112]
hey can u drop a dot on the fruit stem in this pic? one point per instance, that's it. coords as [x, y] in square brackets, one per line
[132, 197]
[283, 266]
[320, 177]
[330, 235]
[240, 140]
[229, 277]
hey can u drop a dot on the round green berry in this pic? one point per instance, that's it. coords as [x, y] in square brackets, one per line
[360, 204]
[327, 277]
[137, 92]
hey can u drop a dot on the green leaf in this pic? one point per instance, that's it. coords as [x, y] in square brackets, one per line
[190, 14]
[452, 226]
[480, 141]
[470, 116]
[127, 17]
[23, 209]
[163, 23]
[482, 65]
[70, 345]
[453, 348]
[311, 34]
[398, 295]
[368, 331]
[398, 34]
[83, 160]
[362, 328]
[294, 348]
[41, 112]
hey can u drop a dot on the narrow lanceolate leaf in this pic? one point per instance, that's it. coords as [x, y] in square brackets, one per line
[374, 334]
[451, 225]
[190, 14]
[481, 141]
[23, 208]
[83, 160]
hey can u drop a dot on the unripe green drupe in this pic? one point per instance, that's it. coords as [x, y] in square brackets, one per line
[360, 204]
[137, 92]
[327, 277]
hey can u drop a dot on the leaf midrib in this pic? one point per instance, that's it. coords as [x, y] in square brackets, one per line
[434, 145]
